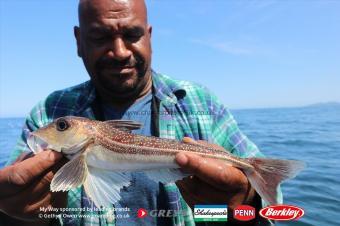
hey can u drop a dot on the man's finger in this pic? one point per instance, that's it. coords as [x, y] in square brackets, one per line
[188, 140]
[212, 171]
[25, 155]
[42, 183]
[15, 177]
[35, 195]
[199, 166]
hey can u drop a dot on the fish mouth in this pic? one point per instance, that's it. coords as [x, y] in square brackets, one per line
[38, 144]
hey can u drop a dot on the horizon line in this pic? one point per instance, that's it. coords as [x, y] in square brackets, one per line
[320, 104]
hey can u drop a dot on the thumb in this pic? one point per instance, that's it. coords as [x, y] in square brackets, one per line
[15, 177]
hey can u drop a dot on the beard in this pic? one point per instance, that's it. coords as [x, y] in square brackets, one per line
[121, 78]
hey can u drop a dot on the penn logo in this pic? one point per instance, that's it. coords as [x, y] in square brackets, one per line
[244, 213]
[282, 212]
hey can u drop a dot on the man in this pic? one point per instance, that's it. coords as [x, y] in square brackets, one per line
[113, 40]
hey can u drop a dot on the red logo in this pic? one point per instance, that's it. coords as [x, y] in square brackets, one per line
[141, 213]
[282, 212]
[244, 213]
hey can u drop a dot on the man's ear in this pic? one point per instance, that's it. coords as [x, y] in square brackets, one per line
[150, 30]
[76, 31]
[150, 33]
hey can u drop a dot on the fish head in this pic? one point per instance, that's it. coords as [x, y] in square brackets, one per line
[65, 134]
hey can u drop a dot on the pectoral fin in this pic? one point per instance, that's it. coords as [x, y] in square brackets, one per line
[103, 187]
[165, 175]
[71, 175]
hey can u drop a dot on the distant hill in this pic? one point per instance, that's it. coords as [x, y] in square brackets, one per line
[316, 105]
[324, 104]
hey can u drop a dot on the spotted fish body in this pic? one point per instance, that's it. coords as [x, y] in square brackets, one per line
[101, 153]
[151, 152]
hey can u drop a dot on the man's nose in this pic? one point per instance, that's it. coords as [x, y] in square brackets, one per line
[118, 50]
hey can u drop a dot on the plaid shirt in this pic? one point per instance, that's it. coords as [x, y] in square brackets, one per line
[186, 109]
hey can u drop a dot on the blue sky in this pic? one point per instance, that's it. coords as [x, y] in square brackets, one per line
[249, 53]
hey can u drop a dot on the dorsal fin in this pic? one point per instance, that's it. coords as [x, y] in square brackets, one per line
[126, 125]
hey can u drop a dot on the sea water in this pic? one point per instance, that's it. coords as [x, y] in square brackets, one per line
[310, 134]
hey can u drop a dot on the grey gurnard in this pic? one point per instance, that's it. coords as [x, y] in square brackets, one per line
[101, 153]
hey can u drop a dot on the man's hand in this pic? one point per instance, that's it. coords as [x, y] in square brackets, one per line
[25, 187]
[215, 182]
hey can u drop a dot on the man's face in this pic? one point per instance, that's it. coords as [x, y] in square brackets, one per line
[114, 43]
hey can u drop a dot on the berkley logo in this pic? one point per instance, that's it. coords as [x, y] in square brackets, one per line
[244, 213]
[282, 212]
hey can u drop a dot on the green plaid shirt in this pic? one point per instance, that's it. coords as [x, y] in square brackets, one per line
[186, 109]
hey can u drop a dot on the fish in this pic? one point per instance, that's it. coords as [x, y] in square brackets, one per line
[103, 153]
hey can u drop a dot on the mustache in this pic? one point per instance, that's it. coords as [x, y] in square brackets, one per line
[114, 63]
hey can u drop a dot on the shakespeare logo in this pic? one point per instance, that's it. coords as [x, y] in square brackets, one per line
[204, 213]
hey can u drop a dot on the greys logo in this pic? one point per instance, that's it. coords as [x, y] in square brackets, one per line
[141, 213]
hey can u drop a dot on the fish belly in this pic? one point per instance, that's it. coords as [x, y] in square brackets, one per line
[100, 157]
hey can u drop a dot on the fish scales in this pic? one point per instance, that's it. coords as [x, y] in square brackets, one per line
[137, 144]
[122, 137]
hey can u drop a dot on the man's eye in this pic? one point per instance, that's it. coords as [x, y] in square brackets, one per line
[133, 37]
[98, 38]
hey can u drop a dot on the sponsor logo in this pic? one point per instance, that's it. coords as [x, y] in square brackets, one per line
[204, 213]
[244, 213]
[168, 213]
[141, 213]
[282, 212]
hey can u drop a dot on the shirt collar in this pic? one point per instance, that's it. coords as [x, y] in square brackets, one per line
[165, 88]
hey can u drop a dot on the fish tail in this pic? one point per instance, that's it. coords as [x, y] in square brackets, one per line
[267, 174]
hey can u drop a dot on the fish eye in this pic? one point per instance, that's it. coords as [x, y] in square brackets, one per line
[62, 124]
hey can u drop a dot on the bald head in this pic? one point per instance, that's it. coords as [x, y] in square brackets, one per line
[115, 9]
